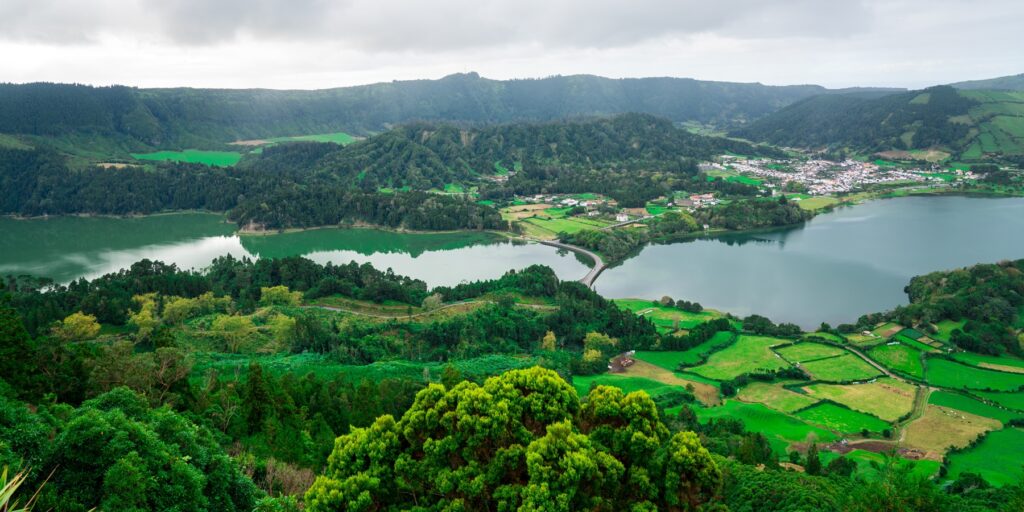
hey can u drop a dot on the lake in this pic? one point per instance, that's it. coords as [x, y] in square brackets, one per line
[835, 268]
[66, 248]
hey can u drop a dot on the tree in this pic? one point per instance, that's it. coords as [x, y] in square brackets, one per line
[521, 441]
[667, 301]
[233, 330]
[145, 319]
[433, 302]
[450, 377]
[279, 296]
[813, 464]
[77, 327]
[16, 350]
[549, 342]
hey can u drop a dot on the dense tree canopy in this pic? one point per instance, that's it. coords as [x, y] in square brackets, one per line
[523, 440]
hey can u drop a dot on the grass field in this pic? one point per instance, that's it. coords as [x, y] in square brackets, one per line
[900, 358]
[1002, 363]
[803, 352]
[647, 377]
[887, 399]
[997, 459]
[823, 335]
[774, 395]
[706, 393]
[840, 369]
[670, 360]
[971, 405]
[841, 419]
[337, 138]
[771, 423]
[887, 329]
[665, 317]
[1010, 400]
[747, 354]
[911, 342]
[195, 156]
[941, 428]
[817, 203]
[948, 374]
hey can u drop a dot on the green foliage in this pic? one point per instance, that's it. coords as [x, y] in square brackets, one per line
[522, 440]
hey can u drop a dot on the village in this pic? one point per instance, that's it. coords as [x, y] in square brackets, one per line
[824, 177]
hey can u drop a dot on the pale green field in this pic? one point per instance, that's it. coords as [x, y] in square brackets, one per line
[748, 354]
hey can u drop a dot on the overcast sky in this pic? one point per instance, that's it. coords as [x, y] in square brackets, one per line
[309, 44]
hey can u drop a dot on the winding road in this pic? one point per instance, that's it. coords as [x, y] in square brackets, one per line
[599, 265]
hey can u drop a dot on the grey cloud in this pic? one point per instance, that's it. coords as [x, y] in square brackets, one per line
[438, 25]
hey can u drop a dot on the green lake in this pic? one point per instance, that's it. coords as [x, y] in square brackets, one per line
[66, 248]
[835, 268]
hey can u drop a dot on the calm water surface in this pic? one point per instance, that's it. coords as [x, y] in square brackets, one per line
[837, 267]
[66, 248]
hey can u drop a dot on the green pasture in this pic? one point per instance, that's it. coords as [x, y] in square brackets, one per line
[949, 374]
[776, 396]
[997, 458]
[627, 384]
[899, 357]
[945, 329]
[971, 405]
[1009, 400]
[670, 360]
[746, 355]
[841, 419]
[840, 369]
[804, 352]
[193, 156]
[981, 360]
[336, 137]
[771, 423]
[664, 317]
[817, 202]
[885, 398]
[824, 335]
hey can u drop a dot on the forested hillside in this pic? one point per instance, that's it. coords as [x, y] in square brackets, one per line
[315, 184]
[129, 118]
[968, 125]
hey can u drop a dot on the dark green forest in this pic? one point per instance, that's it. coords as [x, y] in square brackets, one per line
[126, 118]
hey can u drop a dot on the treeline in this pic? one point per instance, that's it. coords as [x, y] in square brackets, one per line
[266, 196]
[109, 298]
[555, 156]
[868, 123]
[203, 117]
[618, 244]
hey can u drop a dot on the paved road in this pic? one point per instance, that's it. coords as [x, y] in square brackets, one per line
[599, 265]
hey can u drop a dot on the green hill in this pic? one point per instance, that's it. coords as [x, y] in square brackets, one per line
[1003, 83]
[969, 125]
[117, 120]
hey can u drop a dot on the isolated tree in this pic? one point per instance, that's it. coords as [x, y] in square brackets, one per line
[433, 302]
[77, 327]
[279, 296]
[813, 464]
[549, 342]
[666, 301]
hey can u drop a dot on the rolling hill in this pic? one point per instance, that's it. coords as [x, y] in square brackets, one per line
[934, 123]
[84, 119]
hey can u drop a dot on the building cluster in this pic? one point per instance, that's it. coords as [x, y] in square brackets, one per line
[822, 177]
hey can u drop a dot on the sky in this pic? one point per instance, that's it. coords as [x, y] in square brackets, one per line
[313, 44]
